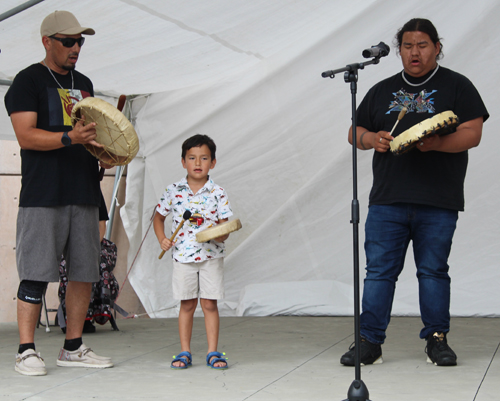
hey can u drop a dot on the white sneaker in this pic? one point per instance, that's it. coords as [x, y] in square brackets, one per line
[83, 357]
[30, 363]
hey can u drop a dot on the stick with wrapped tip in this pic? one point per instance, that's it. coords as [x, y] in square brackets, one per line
[185, 216]
[400, 117]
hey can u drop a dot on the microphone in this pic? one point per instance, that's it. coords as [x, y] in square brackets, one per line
[380, 50]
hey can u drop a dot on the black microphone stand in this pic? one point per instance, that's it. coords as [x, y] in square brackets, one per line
[358, 390]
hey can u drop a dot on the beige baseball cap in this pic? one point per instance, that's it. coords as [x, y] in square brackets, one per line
[63, 22]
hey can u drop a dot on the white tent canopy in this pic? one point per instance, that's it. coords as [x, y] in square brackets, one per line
[248, 74]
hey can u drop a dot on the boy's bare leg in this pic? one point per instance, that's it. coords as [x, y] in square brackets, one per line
[186, 314]
[27, 318]
[77, 304]
[211, 313]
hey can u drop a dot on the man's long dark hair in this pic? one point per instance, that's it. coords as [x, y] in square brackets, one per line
[422, 25]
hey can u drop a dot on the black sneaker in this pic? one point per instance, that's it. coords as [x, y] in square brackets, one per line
[370, 354]
[439, 352]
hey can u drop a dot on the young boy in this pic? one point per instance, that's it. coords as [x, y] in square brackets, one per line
[198, 268]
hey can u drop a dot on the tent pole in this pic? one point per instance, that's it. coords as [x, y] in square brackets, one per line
[18, 9]
[109, 225]
[118, 175]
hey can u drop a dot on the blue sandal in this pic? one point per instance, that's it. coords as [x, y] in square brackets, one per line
[219, 357]
[184, 357]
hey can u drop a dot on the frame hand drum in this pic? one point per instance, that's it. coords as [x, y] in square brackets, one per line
[114, 131]
[218, 231]
[441, 124]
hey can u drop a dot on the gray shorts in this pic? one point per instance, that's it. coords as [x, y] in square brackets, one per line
[44, 234]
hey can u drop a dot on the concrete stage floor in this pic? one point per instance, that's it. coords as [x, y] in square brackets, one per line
[271, 358]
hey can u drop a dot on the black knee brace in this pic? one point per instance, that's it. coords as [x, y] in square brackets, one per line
[31, 291]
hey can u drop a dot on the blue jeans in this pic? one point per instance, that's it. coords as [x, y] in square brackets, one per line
[388, 231]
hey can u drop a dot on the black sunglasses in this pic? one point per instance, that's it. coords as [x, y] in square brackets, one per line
[70, 42]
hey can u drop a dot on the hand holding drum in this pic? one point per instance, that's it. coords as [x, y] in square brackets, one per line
[116, 135]
[441, 124]
[185, 216]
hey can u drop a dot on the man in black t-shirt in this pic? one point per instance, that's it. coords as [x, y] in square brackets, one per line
[60, 193]
[415, 196]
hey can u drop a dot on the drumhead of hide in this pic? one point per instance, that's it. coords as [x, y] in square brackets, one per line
[441, 124]
[114, 131]
[218, 231]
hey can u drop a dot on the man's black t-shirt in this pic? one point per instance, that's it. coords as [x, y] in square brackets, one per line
[65, 176]
[429, 178]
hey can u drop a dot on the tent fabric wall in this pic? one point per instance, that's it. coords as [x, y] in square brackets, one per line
[247, 73]
[285, 162]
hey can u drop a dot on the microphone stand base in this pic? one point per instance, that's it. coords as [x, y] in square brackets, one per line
[357, 392]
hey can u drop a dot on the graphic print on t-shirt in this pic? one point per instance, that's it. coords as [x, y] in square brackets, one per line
[61, 102]
[420, 102]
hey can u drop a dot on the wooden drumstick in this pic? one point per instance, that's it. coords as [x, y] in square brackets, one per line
[400, 117]
[185, 216]
[121, 103]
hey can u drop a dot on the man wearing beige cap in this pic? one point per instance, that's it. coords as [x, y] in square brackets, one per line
[60, 192]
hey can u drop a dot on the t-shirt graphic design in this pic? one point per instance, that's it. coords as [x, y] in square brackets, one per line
[420, 102]
[61, 102]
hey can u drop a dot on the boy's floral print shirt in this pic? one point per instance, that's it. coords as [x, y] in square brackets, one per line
[211, 203]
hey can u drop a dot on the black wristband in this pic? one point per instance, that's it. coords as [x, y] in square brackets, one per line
[65, 139]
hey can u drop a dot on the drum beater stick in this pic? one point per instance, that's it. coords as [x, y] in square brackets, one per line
[185, 216]
[400, 117]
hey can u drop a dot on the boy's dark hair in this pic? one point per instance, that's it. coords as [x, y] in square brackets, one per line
[199, 140]
[422, 25]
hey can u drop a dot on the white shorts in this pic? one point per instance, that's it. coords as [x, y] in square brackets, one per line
[204, 279]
